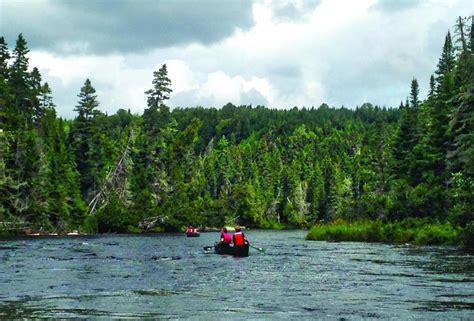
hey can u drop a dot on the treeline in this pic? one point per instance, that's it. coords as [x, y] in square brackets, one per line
[250, 165]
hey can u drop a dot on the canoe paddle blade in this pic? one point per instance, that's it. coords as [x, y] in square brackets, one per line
[260, 249]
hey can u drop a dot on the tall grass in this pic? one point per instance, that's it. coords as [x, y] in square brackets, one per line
[415, 231]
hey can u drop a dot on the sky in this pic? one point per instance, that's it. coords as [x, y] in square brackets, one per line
[278, 53]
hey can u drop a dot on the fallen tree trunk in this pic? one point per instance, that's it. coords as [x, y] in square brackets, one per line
[152, 222]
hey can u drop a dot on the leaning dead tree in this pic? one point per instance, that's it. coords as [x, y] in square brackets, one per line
[152, 222]
[116, 180]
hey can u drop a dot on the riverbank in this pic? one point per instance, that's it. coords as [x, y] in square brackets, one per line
[413, 231]
[21, 232]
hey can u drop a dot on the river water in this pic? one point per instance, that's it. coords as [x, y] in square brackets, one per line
[169, 276]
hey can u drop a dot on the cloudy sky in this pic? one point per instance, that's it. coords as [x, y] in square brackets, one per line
[274, 53]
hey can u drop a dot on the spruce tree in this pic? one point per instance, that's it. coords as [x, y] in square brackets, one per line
[431, 93]
[415, 91]
[46, 98]
[471, 38]
[444, 72]
[439, 110]
[4, 57]
[463, 55]
[6, 180]
[461, 155]
[7, 113]
[35, 93]
[19, 80]
[81, 137]
[408, 136]
[87, 103]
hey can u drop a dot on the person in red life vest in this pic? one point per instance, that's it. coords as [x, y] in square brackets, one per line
[191, 229]
[239, 238]
[226, 238]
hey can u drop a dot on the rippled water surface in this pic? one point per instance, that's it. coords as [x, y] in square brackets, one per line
[170, 276]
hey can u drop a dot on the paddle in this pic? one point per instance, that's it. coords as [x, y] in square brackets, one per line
[208, 248]
[260, 249]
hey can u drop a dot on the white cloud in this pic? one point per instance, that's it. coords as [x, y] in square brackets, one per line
[117, 85]
[183, 78]
[221, 88]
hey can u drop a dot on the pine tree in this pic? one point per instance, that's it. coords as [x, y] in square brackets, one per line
[157, 115]
[161, 88]
[151, 182]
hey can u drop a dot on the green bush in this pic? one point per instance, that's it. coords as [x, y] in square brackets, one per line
[113, 218]
[468, 237]
[133, 229]
[90, 225]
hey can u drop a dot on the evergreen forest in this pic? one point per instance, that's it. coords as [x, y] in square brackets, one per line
[260, 167]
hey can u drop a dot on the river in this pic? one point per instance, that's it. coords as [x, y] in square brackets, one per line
[169, 276]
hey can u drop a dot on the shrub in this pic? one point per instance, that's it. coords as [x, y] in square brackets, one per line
[468, 237]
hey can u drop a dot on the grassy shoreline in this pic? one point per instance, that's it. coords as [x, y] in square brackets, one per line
[413, 231]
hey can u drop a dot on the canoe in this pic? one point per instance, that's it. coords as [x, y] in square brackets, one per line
[240, 251]
[193, 234]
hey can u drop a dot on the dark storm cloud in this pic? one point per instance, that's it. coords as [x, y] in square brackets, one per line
[390, 6]
[121, 26]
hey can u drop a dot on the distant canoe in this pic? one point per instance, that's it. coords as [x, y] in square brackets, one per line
[240, 251]
[193, 234]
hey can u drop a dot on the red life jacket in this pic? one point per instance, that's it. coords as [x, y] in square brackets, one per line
[239, 238]
[226, 238]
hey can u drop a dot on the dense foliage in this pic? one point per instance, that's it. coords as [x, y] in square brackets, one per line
[250, 165]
